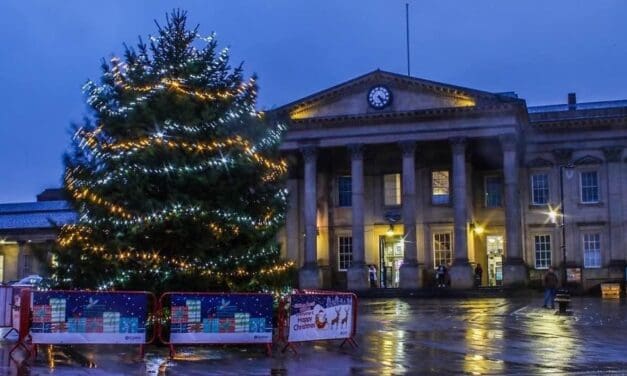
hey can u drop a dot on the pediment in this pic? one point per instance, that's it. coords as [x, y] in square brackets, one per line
[539, 162]
[409, 94]
[588, 160]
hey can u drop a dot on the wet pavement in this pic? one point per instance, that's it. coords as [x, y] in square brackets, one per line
[490, 336]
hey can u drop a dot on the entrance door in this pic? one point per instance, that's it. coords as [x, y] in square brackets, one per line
[495, 260]
[391, 252]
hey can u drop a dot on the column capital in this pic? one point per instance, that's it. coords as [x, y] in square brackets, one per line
[356, 150]
[310, 152]
[458, 144]
[508, 141]
[613, 153]
[408, 148]
[563, 156]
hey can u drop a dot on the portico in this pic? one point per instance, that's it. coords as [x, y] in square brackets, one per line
[361, 170]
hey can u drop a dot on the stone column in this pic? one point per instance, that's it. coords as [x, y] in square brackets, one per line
[410, 272]
[614, 202]
[514, 270]
[461, 272]
[309, 275]
[357, 274]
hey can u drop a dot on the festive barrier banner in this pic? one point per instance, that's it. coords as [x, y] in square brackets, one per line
[320, 316]
[220, 318]
[73, 317]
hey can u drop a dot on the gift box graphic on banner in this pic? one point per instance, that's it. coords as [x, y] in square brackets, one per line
[179, 314]
[129, 325]
[226, 325]
[59, 327]
[111, 322]
[257, 324]
[242, 322]
[193, 310]
[94, 325]
[57, 310]
[211, 325]
[42, 313]
[77, 325]
[194, 327]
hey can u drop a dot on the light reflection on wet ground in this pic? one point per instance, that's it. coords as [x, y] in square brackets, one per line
[396, 336]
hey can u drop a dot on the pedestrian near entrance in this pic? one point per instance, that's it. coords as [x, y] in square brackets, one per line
[550, 285]
[372, 272]
[440, 274]
[478, 274]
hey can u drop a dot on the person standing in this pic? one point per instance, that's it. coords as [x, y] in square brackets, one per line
[550, 285]
[372, 272]
[440, 274]
[478, 274]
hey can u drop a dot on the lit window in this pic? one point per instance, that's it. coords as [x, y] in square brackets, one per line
[493, 189]
[392, 189]
[543, 251]
[592, 250]
[540, 189]
[26, 264]
[344, 252]
[442, 249]
[439, 187]
[589, 187]
[345, 191]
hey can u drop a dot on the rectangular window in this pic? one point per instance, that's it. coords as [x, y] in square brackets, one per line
[592, 250]
[392, 189]
[442, 249]
[589, 187]
[26, 265]
[344, 252]
[493, 189]
[345, 191]
[540, 189]
[439, 187]
[543, 251]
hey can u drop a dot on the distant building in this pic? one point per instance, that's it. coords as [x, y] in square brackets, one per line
[25, 227]
[407, 174]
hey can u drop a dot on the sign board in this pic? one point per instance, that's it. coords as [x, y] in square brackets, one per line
[320, 316]
[573, 274]
[220, 318]
[74, 317]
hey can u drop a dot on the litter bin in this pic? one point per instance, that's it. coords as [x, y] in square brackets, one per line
[562, 297]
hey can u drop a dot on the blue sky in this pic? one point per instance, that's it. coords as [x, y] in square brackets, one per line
[540, 49]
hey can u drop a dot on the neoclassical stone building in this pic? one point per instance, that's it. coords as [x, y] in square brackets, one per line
[406, 174]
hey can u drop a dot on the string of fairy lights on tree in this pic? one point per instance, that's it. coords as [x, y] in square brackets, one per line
[178, 171]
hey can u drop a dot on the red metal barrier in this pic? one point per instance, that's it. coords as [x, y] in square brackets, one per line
[205, 312]
[312, 323]
[55, 326]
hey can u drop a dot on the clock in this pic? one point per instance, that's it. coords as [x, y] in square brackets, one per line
[379, 97]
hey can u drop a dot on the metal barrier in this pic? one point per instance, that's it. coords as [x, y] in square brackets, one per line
[9, 301]
[84, 317]
[215, 318]
[317, 315]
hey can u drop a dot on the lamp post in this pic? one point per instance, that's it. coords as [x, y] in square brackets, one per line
[559, 218]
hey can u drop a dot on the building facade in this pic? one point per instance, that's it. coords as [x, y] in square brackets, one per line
[28, 228]
[407, 174]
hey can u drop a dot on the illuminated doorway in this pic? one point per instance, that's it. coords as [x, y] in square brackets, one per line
[391, 252]
[495, 260]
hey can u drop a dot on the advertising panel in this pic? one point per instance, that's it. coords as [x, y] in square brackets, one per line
[74, 317]
[320, 316]
[220, 318]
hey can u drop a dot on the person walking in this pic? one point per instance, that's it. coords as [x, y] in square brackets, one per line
[550, 285]
[478, 274]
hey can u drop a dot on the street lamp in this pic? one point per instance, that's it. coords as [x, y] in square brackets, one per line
[562, 223]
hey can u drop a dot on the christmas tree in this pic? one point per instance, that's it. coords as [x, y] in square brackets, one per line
[175, 175]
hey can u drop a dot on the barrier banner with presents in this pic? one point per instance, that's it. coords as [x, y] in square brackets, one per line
[73, 317]
[219, 318]
[320, 316]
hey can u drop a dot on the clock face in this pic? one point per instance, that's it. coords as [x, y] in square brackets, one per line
[379, 97]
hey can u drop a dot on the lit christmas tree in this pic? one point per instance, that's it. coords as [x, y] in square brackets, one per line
[176, 176]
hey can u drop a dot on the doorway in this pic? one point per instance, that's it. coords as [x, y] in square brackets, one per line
[495, 259]
[391, 253]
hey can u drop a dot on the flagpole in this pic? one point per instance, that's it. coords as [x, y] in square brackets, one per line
[407, 33]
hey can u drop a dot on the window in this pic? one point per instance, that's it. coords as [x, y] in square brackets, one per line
[439, 187]
[543, 251]
[392, 189]
[26, 264]
[493, 189]
[442, 249]
[592, 250]
[344, 252]
[345, 191]
[589, 187]
[539, 189]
